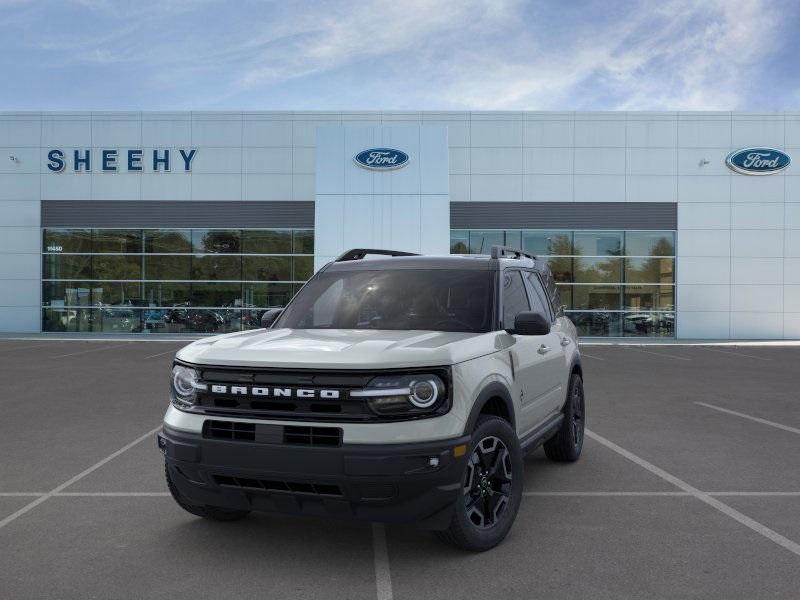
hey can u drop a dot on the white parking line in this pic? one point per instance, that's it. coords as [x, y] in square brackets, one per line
[112, 494]
[31, 505]
[755, 494]
[657, 353]
[27, 347]
[590, 356]
[759, 528]
[87, 351]
[750, 418]
[741, 354]
[656, 494]
[383, 577]
[161, 353]
[604, 494]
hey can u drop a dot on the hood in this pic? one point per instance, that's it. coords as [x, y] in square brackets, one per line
[339, 348]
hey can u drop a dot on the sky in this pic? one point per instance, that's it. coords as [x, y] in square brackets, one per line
[400, 55]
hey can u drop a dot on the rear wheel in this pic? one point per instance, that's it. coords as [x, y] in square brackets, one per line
[215, 513]
[491, 488]
[567, 443]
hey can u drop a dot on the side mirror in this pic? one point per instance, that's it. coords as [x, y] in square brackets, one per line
[269, 317]
[531, 323]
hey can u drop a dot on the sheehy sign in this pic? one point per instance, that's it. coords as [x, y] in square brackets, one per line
[112, 160]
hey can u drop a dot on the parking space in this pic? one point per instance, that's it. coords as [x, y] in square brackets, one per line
[689, 487]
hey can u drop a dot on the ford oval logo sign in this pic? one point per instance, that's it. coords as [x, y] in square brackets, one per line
[758, 161]
[381, 159]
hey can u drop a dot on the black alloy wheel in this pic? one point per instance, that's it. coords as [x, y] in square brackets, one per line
[487, 486]
[578, 409]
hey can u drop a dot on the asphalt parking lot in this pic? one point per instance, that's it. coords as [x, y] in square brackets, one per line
[689, 487]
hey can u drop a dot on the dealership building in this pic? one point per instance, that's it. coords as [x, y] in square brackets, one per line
[656, 225]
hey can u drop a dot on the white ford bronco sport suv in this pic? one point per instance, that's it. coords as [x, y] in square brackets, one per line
[403, 388]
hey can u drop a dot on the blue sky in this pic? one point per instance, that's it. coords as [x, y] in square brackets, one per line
[398, 54]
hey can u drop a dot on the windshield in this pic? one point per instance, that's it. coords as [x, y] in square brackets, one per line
[438, 300]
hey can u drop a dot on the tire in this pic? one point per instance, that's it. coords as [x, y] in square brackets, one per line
[567, 443]
[215, 513]
[486, 510]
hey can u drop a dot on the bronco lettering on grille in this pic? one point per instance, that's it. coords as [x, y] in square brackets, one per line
[275, 392]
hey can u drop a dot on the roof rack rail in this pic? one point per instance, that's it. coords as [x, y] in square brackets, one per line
[359, 253]
[503, 251]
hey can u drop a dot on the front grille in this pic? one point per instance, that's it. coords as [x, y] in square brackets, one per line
[287, 487]
[229, 430]
[273, 434]
[291, 395]
[312, 436]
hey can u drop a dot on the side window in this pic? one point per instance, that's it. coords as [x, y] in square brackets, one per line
[515, 298]
[539, 302]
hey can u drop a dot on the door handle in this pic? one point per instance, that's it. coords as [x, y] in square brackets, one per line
[565, 341]
[543, 349]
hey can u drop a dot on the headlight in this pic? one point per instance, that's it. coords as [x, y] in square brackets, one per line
[398, 395]
[185, 383]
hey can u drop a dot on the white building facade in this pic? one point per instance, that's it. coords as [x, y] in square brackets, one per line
[197, 222]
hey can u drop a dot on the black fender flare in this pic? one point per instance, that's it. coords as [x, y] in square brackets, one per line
[574, 365]
[495, 389]
[576, 362]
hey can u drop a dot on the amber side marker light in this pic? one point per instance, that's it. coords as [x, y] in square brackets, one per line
[460, 450]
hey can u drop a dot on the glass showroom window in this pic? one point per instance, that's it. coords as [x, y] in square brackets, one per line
[612, 283]
[169, 280]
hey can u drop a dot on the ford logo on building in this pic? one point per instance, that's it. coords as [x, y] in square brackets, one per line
[381, 159]
[758, 161]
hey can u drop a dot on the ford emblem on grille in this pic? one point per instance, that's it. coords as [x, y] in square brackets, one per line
[381, 159]
[758, 161]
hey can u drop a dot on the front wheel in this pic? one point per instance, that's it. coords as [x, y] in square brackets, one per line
[491, 488]
[567, 443]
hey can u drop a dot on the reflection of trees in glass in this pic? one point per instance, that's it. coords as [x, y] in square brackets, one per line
[117, 267]
[598, 243]
[67, 267]
[167, 240]
[269, 241]
[304, 241]
[649, 243]
[117, 240]
[215, 267]
[654, 269]
[458, 247]
[267, 268]
[560, 263]
[303, 267]
[218, 240]
[560, 245]
[67, 240]
[598, 270]
[167, 267]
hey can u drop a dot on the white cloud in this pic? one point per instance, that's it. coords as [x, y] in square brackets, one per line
[327, 38]
[473, 54]
[684, 56]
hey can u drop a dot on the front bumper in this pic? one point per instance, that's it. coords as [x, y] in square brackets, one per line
[398, 483]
